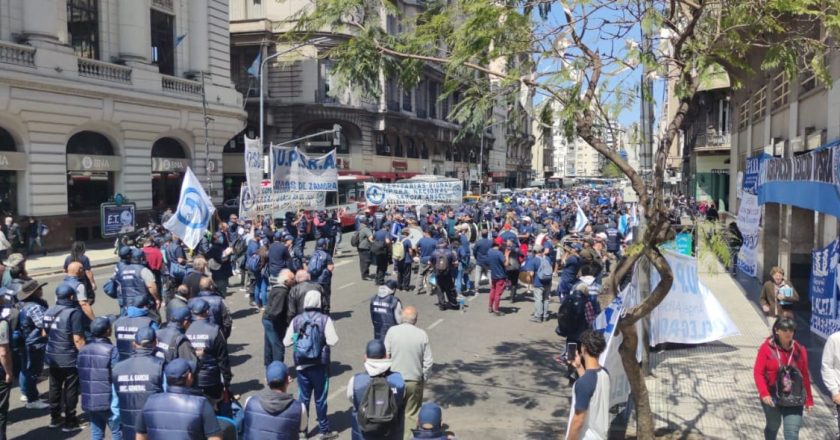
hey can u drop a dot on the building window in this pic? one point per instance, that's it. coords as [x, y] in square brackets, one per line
[759, 104]
[397, 147]
[808, 81]
[424, 151]
[411, 149]
[163, 41]
[406, 99]
[433, 99]
[781, 90]
[83, 27]
[743, 117]
[87, 189]
[444, 109]
[382, 148]
[325, 82]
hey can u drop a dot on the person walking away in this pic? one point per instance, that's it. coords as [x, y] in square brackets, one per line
[463, 282]
[297, 294]
[154, 261]
[379, 252]
[445, 263]
[403, 265]
[320, 268]
[219, 311]
[377, 396]
[74, 279]
[512, 267]
[172, 342]
[385, 310]
[219, 262]
[411, 355]
[830, 372]
[65, 337]
[778, 296]
[192, 279]
[590, 418]
[77, 253]
[31, 323]
[273, 413]
[275, 318]
[496, 263]
[255, 265]
[95, 363]
[543, 273]
[734, 239]
[365, 239]
[279, 256]
[312, 334]
[426, 246]
[783, 381]
[214, 373]
[430, 424]
[137, 378]
[7, 326]
[137, 284]
[571, 266]
[179, 299]
[181, 412]
[125, 327]
[480, 249]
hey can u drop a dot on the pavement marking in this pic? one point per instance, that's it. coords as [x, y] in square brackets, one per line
[342, 263]
[434, 324]
[473, 298]
[337, 393]
[346, 285]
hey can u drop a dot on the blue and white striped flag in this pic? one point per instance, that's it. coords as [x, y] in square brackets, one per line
[194, 211]
[580, 220]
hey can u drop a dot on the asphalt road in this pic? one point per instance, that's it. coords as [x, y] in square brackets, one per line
[494, 376]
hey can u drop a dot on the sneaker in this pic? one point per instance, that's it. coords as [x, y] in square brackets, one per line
[37, 405]
[535, 319]
[71, 427]
[499, 313]
[328, 435]
[55, 423]
[23, 398]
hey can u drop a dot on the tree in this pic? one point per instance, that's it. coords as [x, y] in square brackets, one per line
[588, 56]
[611, 171]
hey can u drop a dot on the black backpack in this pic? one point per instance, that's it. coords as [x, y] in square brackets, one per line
[789, 389]
[442, 263]
[354, 239]
[570, 317]
[378, 413]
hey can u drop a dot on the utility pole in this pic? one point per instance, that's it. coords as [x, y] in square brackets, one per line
[207, 120]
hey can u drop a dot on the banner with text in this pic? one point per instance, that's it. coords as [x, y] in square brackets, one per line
[253, 164]
[808, 181]
[690, 313]
[749, 184]
[277, 203]
[293, 170]
[749, 218]
[824, 290]
[419, 193]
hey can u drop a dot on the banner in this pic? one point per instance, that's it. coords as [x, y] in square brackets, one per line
[690, 313]
[414, 193]
[293, 170]
[808, 181]
[194, 211]
[749, 218]
[277, 203]
[117, 219]
[580, 219]
[253, 164]
[825, 318]
[749, 184]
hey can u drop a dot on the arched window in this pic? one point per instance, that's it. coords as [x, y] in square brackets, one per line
[168, 147]
[8, 178]
[169, 160]
[7, 142]
[90, 172]
[90, 142]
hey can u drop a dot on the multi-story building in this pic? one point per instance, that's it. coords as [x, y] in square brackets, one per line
[403, 133]
[104, 97]
[542, 153]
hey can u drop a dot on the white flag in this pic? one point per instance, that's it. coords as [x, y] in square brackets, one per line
[194, 211]
[254, 164]
[580, 220]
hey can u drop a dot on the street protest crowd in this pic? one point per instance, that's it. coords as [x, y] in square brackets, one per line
[161, 369]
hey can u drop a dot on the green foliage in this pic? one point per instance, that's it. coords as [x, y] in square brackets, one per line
[611, 171]
[713, 242]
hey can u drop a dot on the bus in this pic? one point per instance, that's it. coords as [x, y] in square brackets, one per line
[350, 197]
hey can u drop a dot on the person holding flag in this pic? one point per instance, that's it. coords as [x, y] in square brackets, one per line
[195, 208]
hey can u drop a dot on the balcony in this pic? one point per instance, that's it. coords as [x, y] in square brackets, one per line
[321, 97]
[393, 105]
[101, 70]
[19, 54]
[712, 142]
[180, 86]
[422, 113]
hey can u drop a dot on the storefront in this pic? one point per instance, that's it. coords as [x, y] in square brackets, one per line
[10, 163]
[169, 162]
[91, 176]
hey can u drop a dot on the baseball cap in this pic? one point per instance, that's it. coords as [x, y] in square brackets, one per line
[145, 336]
[276, 372]
[179, 314]
[177, 369]
[198, 306]
[391, 284]
[14, 260]
[430, 416]
[64, 291]
[137, 254]
[28, 288]
[100, 326]
[375, 349]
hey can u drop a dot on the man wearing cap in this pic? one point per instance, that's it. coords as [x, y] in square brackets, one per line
[219, 262]
[279, 257]
[172, 343]
[65, 337]
[571, 266]
[430, 424]
[31, 322]
[385, 310]
[320, 268]
[480, 249]
[9, 265]
[377, 365]
[181, 412]
[214, 374]
[125, 327]
[219, 312]
[276, 318]
[273, 413]
[137, 284]
[445, 263]
[379, 252]
[314, 376]
[137, 378]
[496, 263]
[95, 362]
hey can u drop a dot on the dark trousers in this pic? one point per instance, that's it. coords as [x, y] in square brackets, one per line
[315, 382]
[32, 363]
[403, 275]
[273, 349]
[445, 291]
[364, 262]
[5, 390]
[381, 267]
[64, 393]
[325, 298]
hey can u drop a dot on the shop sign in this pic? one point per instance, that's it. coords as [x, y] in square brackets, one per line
[90, 162]
[399, 165]
[10, 161]
[169, 165]
[117, 219]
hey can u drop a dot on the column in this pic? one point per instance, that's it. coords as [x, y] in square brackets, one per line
[42, 19]
[198, 37]
[135, 30]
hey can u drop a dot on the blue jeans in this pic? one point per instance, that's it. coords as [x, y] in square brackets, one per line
[260, 288]
[541, 299]
[32, 364]
[273, 349]
[791, 417]
[98, 420]
[315, 380]
[462, 279]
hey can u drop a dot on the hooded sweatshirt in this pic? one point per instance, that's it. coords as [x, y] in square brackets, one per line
[275, 402]
[312, 303]
[373, 367]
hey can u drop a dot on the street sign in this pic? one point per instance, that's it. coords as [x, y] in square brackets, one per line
[117, 219]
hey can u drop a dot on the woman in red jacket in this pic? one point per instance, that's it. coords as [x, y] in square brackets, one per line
[783, 398]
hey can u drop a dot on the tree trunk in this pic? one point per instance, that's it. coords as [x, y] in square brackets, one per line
[636, 377]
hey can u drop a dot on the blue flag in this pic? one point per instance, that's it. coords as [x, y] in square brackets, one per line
[254, 70]
[180, 40]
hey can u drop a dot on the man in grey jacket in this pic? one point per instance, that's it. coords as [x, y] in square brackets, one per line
[411, 356]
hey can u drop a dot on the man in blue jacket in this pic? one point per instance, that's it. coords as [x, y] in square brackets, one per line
[377, 367]
[273, 413]
[95, 362]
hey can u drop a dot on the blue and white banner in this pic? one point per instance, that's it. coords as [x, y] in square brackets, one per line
[824, 290]
[809, 181]
[194, 211]
[277, 203]
[117, 219]
[749, 183]
[748, 221]
[690, 313]
[253, 164]
[580, 219]
[293, 170]
[415, 193]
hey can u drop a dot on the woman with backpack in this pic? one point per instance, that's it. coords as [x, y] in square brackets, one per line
[783, 382]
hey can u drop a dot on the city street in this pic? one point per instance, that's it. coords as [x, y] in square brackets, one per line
[495, 377]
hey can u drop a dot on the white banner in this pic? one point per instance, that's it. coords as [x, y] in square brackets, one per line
[689, 314]
[293, 170]
[194, 211]
[253, 164]
[749, 218]
[277, 203]
[414, 193]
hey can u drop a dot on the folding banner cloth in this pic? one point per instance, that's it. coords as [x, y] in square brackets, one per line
[580, 219]
[253, 164]
[194, 211]
[689, 314]
[824, 290]
[414, 193]
[809, 181]
[293, 170]
[749, 217]
[276, 203]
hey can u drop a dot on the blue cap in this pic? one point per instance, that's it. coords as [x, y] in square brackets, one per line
[137, 254]
[376, 350]
[124, 252]
[179, 314]
[100, 326]
[198, 306]
[430, 416]
[321, 243]
[391, 284]
[64, 291]
[145, 335]
[177, 369]
[276, 372]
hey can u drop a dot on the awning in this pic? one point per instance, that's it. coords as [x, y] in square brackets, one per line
[382, 175]
[407, 175]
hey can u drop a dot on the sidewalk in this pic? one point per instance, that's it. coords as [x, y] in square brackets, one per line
[707, 391]
[53, 263]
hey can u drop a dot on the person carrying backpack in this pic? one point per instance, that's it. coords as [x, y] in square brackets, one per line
[377, 397]
[320, 268]
[543, 272]
[255, 264]
[445, 261]
[311, 334]
[783, 381]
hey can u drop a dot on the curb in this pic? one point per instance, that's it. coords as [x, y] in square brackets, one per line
[58, 270]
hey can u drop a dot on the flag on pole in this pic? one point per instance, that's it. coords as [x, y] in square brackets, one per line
[580, 220]
[254, 70]
[180, 39]
[194, 211]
